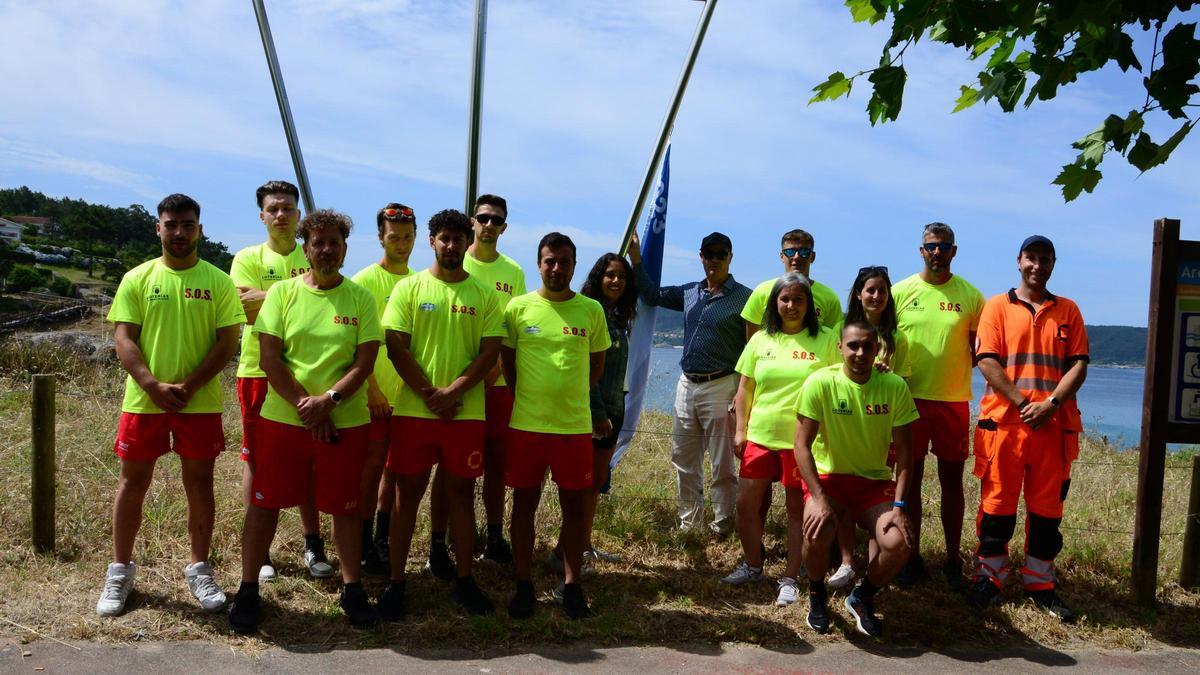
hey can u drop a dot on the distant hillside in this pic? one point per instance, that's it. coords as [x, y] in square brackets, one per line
[1110, 345]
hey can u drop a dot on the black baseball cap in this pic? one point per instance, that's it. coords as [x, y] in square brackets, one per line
[1037, 240]
[716, 239]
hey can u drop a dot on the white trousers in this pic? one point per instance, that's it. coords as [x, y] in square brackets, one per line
[703, 423]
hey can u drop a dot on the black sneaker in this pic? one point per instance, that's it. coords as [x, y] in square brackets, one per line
[818, 612]
[573, 602]
[439, 564]
[357, 607]
[522, 603]
[863, 611]
[383, 548]
[981, 593]
[375, 564]
[1049, 601]
[952, 572]
[498, 551]
[467, 593]
[245, 610]
[391, 605]
[912, 573]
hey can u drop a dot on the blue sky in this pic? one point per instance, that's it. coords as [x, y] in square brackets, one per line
[124, 102]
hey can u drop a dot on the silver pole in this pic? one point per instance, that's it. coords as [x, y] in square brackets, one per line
[476, 105]
[668, 124]
[285, 109]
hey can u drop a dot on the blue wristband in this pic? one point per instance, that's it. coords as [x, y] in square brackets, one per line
[899, 505]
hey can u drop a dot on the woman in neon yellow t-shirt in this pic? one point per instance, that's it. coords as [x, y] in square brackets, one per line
[773, 366]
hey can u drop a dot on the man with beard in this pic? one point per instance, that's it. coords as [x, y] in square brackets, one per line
[177, 319]
[397, 228]
[553, 354]
[797, 255]
[318, 335]
[938, 313]
[443, 336]
[255, 269]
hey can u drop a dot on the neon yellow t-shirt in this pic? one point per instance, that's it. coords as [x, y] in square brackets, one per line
[446, 322]
[554, 341]
[502, 274]
[900, 363]
[321, 330]
[829, 308]
[379, 283]
[779, 364]
[260, 267]
[856, 420]
[938, 321]
[179, 313]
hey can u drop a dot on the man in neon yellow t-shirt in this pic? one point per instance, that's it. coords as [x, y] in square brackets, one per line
[318, 335]
[255, 269]
[847, 417]
[397, 227]
[553, 355]
[939, 312]
[443, 334]
[797, 255]
[177, 319]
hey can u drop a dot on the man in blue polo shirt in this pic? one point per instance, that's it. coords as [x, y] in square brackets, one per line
[713, 338]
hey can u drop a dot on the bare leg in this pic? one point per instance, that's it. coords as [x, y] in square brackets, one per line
[752, 493]
[574, 531]
[521, 529]
[794, 500]
[950, 475]
[372, 471]
[912, 496]
[460, 498]
[347, 537]
[202, 507]
[439, 508]
[132, 485]
[410, 489]
[257, 532]
[493, 481]
[600, 459]
[893, 552]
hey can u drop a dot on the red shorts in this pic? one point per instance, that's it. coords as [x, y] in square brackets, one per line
[144, 437]
[498, 405]
[777, 465]
[944, 424]
[251, 391]
[290, 465]
[855, 493]
[381, 430]
[418, 443]
[529, 454]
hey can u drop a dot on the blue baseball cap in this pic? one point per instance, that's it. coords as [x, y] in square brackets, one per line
[1037, 240]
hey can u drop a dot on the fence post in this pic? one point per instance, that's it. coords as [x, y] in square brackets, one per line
[1189, 572]
[43, 463]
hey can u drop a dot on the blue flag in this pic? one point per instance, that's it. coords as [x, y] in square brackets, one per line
[641, 340]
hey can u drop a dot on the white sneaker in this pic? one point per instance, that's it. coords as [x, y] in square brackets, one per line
[841, 578]
[789, 592]
[117, 585]
[200, 580]
[267, 572]
[744, 574]
[318, 565]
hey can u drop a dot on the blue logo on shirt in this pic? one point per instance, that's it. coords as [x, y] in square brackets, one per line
[427, 307]
[533, 330]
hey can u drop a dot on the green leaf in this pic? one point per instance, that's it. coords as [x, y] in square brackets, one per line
[835, 87]
[1152, 154]
[984, 43]
[888, 94]
[1093, 145]
[1003, 51]
[1077, 177]
[1133, 122]
[1171, 84]
[968, 98]
[1143, 152]
[864, 10]
[938, 32]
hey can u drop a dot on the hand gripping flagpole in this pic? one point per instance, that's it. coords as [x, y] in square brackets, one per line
[664, 133]
[285, 109]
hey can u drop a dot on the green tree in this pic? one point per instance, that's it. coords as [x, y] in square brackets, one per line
[1034, 47]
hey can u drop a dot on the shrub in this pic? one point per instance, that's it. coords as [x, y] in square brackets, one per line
[24, 277]
[62, 286]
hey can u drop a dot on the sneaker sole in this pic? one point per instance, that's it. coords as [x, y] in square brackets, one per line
[782, 603]
[822, 631]
[857, 619]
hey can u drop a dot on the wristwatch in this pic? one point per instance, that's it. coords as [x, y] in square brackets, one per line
[334, 396]
[1055, 402]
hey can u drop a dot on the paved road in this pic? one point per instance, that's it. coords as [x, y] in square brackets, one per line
[49, 657]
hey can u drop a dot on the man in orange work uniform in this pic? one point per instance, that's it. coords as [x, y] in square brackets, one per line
[1033, 350]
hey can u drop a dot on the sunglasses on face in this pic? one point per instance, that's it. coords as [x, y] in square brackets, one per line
[942, 246]
[792, 252]
[398, 214]
[489, 219]
[872, 268]
[718, 254]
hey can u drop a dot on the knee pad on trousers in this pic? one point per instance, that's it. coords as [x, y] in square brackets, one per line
[1044, 540]
[994, 533]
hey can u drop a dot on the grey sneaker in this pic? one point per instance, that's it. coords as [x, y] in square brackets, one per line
[744, 574]
[200, 580]
[841, 578]
[556, 564]
[788, 592]
[117, 585]
[596, 554]
[318, 564]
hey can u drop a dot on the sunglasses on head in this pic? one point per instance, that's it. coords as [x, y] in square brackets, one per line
[942, 246]
[398, 214]
[715, 254]
[792, 252]
[872, 268]
[489, 219]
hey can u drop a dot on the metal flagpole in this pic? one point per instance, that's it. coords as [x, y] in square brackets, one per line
[476, 105]
[664, 134]
[285, 109]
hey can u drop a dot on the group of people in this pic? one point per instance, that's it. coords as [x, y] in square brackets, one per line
[357, 393]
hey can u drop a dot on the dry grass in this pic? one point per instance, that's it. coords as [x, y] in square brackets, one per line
[665, 591]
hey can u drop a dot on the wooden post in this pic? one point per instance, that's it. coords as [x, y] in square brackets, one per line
[1189, 572]
[42, 464]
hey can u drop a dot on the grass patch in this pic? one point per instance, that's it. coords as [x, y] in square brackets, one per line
[665, 590]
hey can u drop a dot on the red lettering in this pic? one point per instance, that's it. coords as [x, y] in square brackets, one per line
[950, 306]
[804, 356]
[876, 408]
[345, 320]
